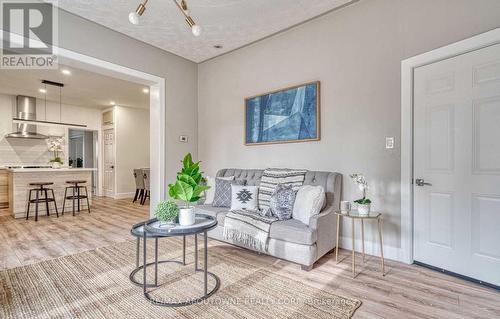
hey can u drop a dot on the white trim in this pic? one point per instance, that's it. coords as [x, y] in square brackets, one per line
[156, 102]
[407, 67]
[124, 195]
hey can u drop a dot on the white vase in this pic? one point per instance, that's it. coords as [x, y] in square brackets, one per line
[364, 209]
[186, 216]
[56, 165]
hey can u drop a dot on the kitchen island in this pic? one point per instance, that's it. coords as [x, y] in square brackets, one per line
[19, 179]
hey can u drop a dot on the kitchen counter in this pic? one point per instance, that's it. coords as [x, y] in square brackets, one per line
[19, 179]
[51, 170]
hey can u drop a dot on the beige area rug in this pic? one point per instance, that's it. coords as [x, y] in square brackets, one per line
[95, 284]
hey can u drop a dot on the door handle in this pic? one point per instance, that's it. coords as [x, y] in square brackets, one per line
[112, 166]
[421, 182]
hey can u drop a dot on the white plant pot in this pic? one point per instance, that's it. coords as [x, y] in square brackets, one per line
[56, 165]
[186, 216]
[364, 209]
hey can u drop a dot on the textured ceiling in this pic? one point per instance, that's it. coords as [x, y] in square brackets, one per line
[230, 23]
[81, 88]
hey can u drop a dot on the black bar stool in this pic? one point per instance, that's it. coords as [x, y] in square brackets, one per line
[76, 195]
[41, 190]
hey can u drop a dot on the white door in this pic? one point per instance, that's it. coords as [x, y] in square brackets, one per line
[109, 162]
[457, 151]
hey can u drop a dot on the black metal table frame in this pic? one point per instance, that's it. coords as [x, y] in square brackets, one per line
[145, 265]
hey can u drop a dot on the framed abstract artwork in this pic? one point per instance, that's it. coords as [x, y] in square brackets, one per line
[284, 116]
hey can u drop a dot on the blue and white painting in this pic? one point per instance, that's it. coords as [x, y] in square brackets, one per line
[289, 115]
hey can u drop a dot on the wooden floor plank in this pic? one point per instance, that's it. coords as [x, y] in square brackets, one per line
[407, 291]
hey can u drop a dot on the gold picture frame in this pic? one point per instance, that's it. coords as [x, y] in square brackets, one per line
[317, 118]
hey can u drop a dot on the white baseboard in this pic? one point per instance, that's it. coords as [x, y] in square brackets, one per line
[123, 195]
[373, 248]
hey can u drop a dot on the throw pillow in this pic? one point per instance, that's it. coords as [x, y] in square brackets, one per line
[210, 193]
[281, 203]
[271, 177]
[308, 202]
[244, 197]
[222, 197]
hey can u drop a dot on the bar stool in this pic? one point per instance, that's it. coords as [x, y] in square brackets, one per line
[39, 190]
[139, 185]
[75, 187]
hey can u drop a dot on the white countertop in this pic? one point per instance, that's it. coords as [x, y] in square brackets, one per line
[51, 170]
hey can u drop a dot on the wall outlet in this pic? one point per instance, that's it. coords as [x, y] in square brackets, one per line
[183, 139]
[389, 142]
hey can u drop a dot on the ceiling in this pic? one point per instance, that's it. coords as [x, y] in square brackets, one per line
[81, 88]
[230, 23]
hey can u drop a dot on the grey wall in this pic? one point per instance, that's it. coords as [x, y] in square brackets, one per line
[356, 53]
[83, 36]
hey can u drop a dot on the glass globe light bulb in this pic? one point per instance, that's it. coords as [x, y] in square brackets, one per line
[133, 17]
[196, 30]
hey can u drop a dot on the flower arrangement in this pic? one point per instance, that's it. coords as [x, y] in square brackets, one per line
[363, 203]
[166, 211]
[55, 145]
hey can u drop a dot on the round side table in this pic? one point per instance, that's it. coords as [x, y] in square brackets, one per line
[154, 229]
[353, 215]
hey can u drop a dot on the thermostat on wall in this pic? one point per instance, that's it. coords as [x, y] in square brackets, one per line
[183, 138]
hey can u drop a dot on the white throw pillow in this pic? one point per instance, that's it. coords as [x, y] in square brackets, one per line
[210, 193]
[244, 197]
[308, 202]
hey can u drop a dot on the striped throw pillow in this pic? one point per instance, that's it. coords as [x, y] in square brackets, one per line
[272, 177]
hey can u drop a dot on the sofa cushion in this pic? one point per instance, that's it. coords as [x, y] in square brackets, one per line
[210, 193]
[308, 202]
[217, 212]
[222, 197]
[294, 231]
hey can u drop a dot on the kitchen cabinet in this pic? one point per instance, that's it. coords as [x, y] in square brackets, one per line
[4, 189]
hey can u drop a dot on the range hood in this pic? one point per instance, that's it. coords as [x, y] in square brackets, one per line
[25, 110]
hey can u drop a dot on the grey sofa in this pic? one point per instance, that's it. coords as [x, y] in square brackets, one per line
[291, 239]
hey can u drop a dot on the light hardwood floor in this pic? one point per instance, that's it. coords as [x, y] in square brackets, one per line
[407, 291]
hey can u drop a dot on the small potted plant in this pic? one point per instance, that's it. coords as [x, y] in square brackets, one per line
[56, 145]
[188, 188]
[363, 203]
[166, 212]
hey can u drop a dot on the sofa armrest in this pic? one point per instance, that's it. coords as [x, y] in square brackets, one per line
[325, 224]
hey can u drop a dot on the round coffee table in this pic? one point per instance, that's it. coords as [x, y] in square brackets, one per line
[153, 229]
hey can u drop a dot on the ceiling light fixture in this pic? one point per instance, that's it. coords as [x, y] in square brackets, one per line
[134, 16]
[145, 90]
[112, 103]
[65, 71]
[42, 90]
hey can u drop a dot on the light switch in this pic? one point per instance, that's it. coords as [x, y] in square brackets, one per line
[389, 142]
[183, 139]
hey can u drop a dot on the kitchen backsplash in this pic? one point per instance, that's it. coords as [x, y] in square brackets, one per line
[24, 151]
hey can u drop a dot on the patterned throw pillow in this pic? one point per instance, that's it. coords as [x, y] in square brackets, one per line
[222, 197]
[210, 193]
[244, 197]
[281, 202]
[272, 177]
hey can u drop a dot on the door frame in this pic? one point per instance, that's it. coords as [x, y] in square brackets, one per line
[157, 105]
[407, 69]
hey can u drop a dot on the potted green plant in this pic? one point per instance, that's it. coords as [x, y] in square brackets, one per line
[56, 145]
[166, 212]
[188, 188]
[364, 204]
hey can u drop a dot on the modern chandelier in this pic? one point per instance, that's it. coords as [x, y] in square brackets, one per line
[134, 16]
